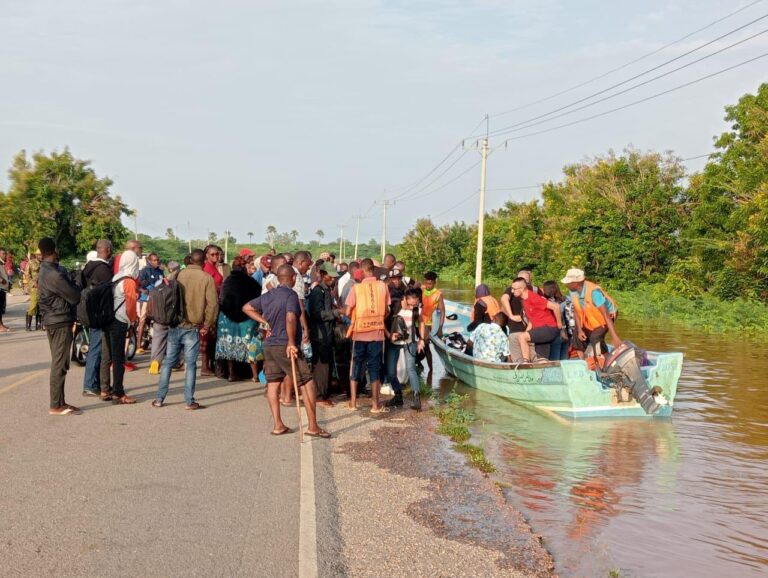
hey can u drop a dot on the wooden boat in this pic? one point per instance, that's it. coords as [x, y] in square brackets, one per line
[568, 389]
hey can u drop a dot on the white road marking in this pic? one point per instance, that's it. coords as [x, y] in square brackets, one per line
[307, 519]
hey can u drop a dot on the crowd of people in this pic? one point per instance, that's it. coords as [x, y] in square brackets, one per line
[313, 326]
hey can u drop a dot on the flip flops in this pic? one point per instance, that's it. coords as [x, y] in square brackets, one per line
[282, 432]
[318, 434]
[382, 409]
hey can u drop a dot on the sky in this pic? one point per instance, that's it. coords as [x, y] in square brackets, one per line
[300, 114]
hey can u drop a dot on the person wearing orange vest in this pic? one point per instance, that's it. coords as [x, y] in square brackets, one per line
[485, 308]
[594, 312]
[367, 307]
[431, 301]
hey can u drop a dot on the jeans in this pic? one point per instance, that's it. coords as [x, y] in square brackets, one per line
[187, 338]
[159, 341]
[558, 349]
[367, 355]
[393, 354]
[93, 361]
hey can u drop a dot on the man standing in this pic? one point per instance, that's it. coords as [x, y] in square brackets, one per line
[5, 287]
[280, 310]
[96, 272]
[594, 313]
[201, 308]
[149, 277]
[160, 331]
[323, 317]
[33, 272]
[58, 299]
[367, 307]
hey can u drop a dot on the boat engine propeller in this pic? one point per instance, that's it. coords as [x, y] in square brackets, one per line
[622, 369]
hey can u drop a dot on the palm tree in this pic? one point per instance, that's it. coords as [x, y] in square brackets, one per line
[320, 234]
[250, 238]
[271, 234]
[294, 235]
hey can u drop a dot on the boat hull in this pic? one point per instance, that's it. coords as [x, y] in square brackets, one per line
[567, 389]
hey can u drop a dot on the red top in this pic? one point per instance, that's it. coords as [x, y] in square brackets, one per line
[536, 310]
[214, 272]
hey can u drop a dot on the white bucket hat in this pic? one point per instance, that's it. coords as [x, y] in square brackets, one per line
[573, 276]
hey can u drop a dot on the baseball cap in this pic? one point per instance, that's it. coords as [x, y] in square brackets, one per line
[573, 276]
[266, 260]
[329, 269]
[245, 252]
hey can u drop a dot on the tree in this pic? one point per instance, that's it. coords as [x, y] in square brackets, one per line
[212, 237]
[169, 234]
[294, 235]
[320, 234]
[60, 196]
[250, 237]
[271, 235]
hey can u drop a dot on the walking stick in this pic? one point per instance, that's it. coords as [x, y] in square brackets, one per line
[296, 393]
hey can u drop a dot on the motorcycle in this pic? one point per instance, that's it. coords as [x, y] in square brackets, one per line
[81, 341]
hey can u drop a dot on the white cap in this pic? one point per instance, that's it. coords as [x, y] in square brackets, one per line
[573, 276]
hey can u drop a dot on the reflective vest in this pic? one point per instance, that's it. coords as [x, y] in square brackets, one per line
[370, 306]
[492, 306]
[429, 305]
[589, 316]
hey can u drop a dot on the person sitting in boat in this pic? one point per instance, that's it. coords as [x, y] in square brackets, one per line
[594, 312]
[485, 308]
[544, 322]
[489, 341]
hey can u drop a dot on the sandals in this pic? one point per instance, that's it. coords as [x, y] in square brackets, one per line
[282, 432]
[105, 397]
[382, 409]
[157, 403]
[124, 400]
[318, 434]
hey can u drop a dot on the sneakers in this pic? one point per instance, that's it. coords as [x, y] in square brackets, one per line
[154, 367]
[416, 402]
[396, 401]
[129, 366]
[91, 393]
[194, 405]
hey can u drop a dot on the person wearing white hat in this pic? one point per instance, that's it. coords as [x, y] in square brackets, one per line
[594, 311]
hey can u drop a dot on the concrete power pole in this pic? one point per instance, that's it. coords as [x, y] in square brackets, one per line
[481, 215]
[226, 245]
[341, 243]
[386, 203]
[136, 224]
[357, 235]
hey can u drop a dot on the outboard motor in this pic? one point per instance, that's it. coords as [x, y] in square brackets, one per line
[622, 369]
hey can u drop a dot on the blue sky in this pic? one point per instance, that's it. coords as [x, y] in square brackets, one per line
[240, 114]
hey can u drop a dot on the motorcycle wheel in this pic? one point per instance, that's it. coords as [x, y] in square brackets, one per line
[130, 351]
[78, 353]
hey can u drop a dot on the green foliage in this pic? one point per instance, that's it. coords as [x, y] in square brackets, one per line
[454, 422]
[476, 457]
[60, 196]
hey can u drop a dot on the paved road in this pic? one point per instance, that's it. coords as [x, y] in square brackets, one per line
[137, 490]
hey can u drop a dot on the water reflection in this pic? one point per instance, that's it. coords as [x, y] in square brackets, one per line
[686, 496]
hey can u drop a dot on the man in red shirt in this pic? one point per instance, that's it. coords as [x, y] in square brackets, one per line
[544, 321]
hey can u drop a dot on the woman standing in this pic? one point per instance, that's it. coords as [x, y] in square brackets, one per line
[235, 329]
[126, 295]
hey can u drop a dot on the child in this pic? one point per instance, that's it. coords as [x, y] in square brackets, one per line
[407, 335]
[431, 300]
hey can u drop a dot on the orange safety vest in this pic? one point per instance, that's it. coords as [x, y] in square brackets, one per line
[370, 306]
[589, 316]
[491, 306]
[429, 306]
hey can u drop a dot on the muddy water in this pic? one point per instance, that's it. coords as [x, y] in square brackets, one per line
[686, 496]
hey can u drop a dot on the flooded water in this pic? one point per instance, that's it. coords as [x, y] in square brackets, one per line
[685, 496]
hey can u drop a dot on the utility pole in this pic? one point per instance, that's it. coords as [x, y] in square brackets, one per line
[341, 243]
[226, 245]
[136, 224]
[357, 235]
[485, 150]
[189, 236]
[386, 203]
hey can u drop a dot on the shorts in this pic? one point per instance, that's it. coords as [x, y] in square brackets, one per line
[594, 336]
[277, 365]
[367, 355]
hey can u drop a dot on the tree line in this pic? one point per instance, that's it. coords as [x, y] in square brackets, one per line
[632, 219]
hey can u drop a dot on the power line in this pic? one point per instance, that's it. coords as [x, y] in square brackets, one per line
[520, 124]
[636, 102]
[453, 180]
[461, 202]
[627, 64]
[626, 90]
[697, 157]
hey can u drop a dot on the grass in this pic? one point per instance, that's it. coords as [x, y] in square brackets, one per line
[454, 423]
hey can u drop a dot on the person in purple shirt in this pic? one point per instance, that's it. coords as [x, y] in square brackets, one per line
[280, 310]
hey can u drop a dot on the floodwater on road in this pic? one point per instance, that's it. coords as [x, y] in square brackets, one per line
[684, 496]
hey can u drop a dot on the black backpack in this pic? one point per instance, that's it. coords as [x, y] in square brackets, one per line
[166, 304]
[97, 305]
